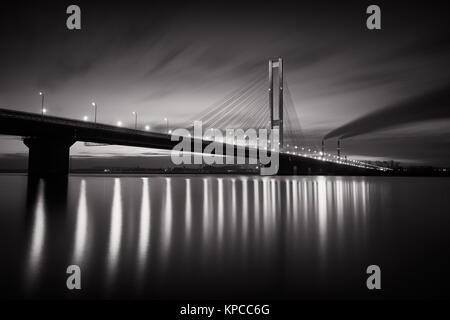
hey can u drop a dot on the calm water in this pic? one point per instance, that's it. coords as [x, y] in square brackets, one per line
[224, 237]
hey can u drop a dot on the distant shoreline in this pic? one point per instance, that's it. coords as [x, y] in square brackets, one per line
[408, 173]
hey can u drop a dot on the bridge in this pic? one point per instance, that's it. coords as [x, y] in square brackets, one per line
[49, 138]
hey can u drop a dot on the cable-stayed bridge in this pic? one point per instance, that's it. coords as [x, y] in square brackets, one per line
[261, 104]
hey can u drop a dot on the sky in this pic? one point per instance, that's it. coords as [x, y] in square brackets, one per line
[176, 60]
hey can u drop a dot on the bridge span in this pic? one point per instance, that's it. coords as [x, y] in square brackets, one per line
[49, 139]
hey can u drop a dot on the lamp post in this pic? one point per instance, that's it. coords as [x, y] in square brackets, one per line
[167, 125]
[95, 112]
[135, 120]
[42, 103]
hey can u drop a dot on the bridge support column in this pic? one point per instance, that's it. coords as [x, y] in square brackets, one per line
[276, 122]
[48, 157]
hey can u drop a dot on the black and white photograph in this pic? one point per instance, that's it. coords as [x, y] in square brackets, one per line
[219, 158]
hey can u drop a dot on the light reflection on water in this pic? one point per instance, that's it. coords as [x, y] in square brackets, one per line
[220, 212]
[144, 227]
[81, 226]
[188, 217]
[115, 231]
[36, 245]
[167, 221]
[206, 233]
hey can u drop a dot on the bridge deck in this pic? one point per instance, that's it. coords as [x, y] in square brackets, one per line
[26, 124]
[29, 125]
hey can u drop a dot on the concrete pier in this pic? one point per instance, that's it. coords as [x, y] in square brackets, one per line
[48, 156]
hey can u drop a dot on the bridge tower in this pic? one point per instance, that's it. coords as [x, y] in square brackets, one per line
[276, 118]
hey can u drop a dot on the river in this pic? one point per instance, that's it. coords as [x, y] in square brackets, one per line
[188, 237]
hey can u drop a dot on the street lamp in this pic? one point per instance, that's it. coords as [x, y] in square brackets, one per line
[85, 118]
[167, 125]
[147, 128]
[42, 102]
[119, 123]
[95, 112]
[135, 120]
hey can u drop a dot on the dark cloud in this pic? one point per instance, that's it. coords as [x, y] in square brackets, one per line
[436, 45]
[165, 60]
[416, 149]
[430, 106]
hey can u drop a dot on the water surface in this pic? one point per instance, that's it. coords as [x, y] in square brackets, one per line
[224, 236]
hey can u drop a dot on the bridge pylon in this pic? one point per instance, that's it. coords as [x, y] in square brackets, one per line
[276, 120]
[48, 157]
